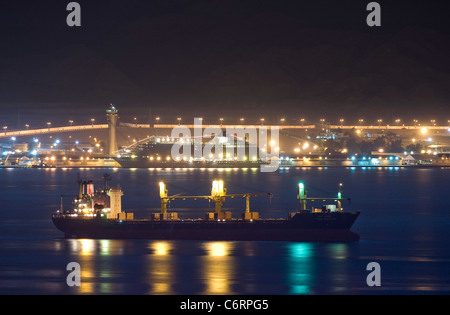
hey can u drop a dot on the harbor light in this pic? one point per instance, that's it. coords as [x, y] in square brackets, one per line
[162, 190]
[340, 191]
[217, 188]
[221, 187]
[302, 196]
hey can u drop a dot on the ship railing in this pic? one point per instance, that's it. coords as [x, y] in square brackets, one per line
[73, 216]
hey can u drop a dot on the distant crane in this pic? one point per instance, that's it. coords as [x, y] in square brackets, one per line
[7, 157]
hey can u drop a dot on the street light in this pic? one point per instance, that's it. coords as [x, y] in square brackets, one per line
[221, 121]
[4, 128]
[48, 125]
[302, 121]
[92, 121]
[262, 121]
[380, 121]
[242, 120]
[157, 119]
[71, 122]
[179, 120]
[397, 121]
[360, 121]
[341, 121]
[282, 120]
[27, 126]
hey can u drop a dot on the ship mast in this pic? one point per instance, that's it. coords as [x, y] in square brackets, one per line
[302, 196]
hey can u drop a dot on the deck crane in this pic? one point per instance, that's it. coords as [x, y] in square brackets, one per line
[218, 196]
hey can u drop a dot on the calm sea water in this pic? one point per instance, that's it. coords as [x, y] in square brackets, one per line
[404, 226]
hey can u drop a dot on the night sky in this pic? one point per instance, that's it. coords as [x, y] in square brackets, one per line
[229, 58]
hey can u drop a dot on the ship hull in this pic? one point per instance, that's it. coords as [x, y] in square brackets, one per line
[127, 162]
[317, 227]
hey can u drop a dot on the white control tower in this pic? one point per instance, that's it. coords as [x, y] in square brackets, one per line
[111, 115]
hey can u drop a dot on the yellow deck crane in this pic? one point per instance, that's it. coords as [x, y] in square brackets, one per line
[218, 196]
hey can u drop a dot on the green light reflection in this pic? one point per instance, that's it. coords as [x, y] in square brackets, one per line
[300, 267]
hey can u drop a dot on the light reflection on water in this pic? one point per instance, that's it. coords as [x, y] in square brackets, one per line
[217, 267]
[161, 274]
[214, 269]
[209, 268]
[300, 268]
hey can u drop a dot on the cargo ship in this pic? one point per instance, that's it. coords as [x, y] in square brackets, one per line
[156, 152]
[98, 215]
[145, 162]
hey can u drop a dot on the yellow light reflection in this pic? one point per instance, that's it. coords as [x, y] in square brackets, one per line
[96, 271]
[87, 247]
[161, 275]
[86, 287]
[217, 249]
[161, 248]
[218, 268]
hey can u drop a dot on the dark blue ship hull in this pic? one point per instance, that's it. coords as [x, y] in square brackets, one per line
[306, 226]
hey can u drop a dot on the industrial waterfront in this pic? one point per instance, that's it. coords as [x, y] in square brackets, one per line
[299, 143]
